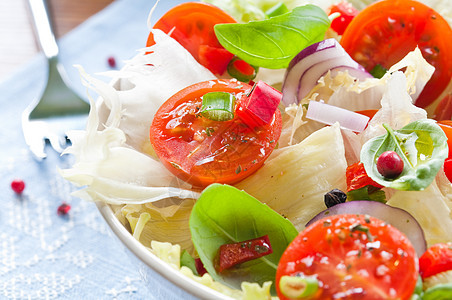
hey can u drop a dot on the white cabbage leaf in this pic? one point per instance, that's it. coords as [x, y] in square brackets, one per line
[346, 92]
[397, 108]
[113, 162]
[294, 179]
[343, 90]
[429, 208]
[445, 187]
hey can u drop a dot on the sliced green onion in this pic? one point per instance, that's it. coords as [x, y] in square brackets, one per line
[442, 291]
[295, 287]
[378, 71]
[218, 106]
[277, 10]
[241, 70]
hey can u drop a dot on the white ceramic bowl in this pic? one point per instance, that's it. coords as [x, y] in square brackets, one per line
[163, 281]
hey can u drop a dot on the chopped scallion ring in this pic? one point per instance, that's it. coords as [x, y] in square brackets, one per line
[218, 106]
[241, 70]
[295, 287]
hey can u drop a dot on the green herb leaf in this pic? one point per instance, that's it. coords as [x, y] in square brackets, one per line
[422, 145]
[274, 42]
[276, 10]
[188, 261]
[218, 106]
[378, 71]
[224, 215]
[368, 192]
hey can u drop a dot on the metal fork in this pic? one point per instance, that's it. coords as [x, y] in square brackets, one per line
[59, 109]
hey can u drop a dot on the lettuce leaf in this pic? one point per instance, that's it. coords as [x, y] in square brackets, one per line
[294, 179]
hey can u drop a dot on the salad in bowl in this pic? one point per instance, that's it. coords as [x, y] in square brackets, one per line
[289, 150]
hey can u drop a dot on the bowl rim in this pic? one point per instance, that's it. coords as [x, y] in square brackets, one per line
[162, 268]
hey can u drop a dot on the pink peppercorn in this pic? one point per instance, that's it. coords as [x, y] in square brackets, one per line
[390, 164]
[111, 62]
[63, 209]
[18, 186]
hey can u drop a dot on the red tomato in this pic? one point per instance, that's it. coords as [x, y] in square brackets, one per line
[347, 11]
[448, 168]
[384, 32]
[446, 126]
[357, 177]
[191, 24]
[368, 112]
[352, 257]
[444, 109]
[202, 151]
[437, 259]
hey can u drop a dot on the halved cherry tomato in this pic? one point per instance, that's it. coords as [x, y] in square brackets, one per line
[446, 126]
[384, 32]
[203, 151]
[444, 109]
[352, 257]
[448, 168]
[347, 11]
[368, 112]
[191, 24]
[356, 177]
[437, 259]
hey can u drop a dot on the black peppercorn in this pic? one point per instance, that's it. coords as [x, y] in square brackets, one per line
[334, 197]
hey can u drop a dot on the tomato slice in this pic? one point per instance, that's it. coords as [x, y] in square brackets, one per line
[203, 151]
[384, 32]
[191, 24]
[437, 259]
[352, 257]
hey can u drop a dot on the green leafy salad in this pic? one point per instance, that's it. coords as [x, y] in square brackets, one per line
[283, 149]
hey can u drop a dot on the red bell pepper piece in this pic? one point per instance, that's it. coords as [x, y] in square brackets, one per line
[258, 108]
[237, 253]
[357, 177]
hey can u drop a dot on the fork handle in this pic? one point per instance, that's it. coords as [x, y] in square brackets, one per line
[44, 27]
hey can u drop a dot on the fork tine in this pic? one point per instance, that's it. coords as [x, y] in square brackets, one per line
[58, 143]
[35, 141]
[42, 120]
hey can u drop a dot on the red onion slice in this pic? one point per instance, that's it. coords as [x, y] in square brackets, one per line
[313, 62]
[397, 217]
[330, 114]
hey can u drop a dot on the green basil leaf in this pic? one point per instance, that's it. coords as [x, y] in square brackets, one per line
[422, 145]
[368, 192]
[188, 261]
[223, 215]
[274, 42]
